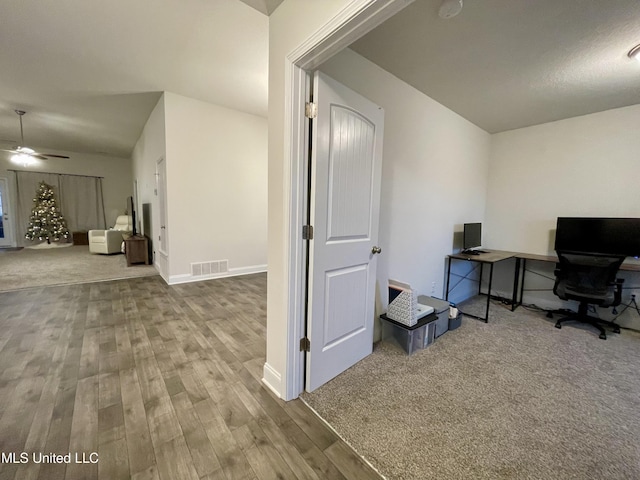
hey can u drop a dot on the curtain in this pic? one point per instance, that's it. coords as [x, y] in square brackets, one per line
[79, 199]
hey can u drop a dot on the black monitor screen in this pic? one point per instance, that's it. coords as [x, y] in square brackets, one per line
[616, 236]
[472, 235]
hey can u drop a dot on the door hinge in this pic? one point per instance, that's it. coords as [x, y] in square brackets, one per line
[311, 110]
[305, 344]
[307, 232]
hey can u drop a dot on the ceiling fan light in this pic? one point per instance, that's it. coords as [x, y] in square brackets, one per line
[450, 8]
[635, 52]
[23, 159]
[26, 150]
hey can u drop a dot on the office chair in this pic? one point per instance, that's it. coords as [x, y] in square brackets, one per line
[591, 280]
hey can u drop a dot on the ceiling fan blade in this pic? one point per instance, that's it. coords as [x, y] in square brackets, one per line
[14, 151]
[29, 151]
[41, 156]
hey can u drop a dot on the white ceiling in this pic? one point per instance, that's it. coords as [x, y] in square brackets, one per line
[89, 73]
[265, 6]
[505, 64]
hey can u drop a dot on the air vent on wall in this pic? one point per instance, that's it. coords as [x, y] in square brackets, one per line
[203, 269]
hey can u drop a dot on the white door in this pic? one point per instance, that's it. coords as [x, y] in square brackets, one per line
[345, 200]
[6, 226]
[161, 189]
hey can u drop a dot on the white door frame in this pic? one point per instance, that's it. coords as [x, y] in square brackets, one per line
[351, 23]
[7, 208]
[162, 263]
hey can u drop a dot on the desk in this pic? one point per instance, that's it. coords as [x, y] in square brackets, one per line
[495, 256]
[491, 257]
[521, 263]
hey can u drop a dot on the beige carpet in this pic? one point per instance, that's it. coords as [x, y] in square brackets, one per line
[512, 399]
[27, 267]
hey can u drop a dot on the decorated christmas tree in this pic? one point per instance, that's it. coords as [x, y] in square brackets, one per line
[46, 221]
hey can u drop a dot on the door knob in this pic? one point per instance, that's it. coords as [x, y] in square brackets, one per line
[375, 250]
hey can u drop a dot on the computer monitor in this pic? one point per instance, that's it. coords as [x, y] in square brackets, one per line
[472, 236]
[615, 236]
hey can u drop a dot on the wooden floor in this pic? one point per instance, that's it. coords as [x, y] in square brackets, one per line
[153, 382]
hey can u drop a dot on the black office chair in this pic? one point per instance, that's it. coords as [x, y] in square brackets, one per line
[591, 280]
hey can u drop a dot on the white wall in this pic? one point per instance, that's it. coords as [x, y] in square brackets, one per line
[434, 177]
[117, 183]
[216, 187]
[216, 161]
[149, 148]
[582, 166]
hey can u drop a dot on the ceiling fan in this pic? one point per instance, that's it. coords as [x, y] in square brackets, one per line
[25, 155]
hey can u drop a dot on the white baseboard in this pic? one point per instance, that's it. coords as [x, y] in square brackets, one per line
[247, 270]
[233, 272]
[272, 379]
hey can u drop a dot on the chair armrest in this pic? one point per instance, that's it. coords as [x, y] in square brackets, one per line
[114, 239]
[617, 283]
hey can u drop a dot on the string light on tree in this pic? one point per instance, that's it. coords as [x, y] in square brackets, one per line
[46, 221]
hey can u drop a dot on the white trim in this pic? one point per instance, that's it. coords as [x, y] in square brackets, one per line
[352, 22]
[271, 378]
[295, 188]
[233, 272]
[162, 262]
[356, 19]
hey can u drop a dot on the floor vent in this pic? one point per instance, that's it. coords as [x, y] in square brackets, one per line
[209, 268]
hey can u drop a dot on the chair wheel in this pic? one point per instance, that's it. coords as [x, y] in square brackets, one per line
[603, 336]
[616, 330]
[558, 325]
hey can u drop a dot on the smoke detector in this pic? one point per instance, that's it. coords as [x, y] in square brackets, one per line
[450, 8]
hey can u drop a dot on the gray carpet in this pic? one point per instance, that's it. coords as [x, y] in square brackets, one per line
[27, 268]
[512, 399]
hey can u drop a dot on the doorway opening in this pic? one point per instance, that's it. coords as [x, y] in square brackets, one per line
[351, 23]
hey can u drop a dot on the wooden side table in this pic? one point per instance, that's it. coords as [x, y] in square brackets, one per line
[80, 238]
[136, 250]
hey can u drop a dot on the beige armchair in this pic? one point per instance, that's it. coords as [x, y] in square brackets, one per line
[110, 241]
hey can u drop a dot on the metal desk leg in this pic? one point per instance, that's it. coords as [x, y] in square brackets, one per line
[516, 279]
[524, 269]
[480, 279]
[446, 296]
[486, 314]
